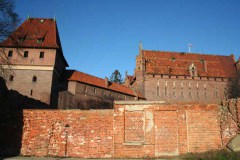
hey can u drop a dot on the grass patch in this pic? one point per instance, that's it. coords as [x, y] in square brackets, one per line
[212, 155]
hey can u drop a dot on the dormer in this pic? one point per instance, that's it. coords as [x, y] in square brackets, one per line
[39, 40]
[193, 70]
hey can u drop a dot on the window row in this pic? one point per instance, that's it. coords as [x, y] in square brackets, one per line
[25, 54]
[104, 93]
[39, 40]
[166, 91]
[34, 78]
[186, 77]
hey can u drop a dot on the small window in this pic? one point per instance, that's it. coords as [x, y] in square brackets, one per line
[41, 55]
[39, 40]
[95, 90]
[11, 77]
[166, 91]
[34, 79]
[158, 94]
[20, 39]
[174, 92]
[25, 55]
[31, 92]
[85, 88]
[182, 92]
[10, 53]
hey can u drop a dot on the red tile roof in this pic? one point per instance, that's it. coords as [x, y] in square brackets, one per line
[99, 82]
[177, 63]
[33, 29]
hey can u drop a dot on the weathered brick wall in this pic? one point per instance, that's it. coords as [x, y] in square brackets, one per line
[134, 129]
[164, 129]
[230, 119]
[72, 133]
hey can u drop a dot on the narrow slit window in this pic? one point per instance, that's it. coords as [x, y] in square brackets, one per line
[31, 92]
[182, 92]
[11, 77]
[34, 79]
[158, 94]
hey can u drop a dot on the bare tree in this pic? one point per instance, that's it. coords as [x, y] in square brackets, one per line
[8, 22]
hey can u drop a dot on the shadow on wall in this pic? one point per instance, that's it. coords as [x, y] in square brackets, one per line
[12, 104]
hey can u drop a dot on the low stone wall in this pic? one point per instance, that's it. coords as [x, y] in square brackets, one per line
[133, 129]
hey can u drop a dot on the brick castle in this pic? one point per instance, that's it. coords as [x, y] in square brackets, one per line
[37, 70]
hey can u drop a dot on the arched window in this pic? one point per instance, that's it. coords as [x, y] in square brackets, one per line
[205, 90]
[34, 78]
[216, 92]
[95, 90]
[11, 77]
[10, 53]
[85, 88]
[193, 70]
[182, 92]
[166, 89]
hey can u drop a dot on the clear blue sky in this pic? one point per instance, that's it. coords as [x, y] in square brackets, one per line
[99, 36]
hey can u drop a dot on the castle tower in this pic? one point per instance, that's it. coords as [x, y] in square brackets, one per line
[140, 70]
[36, 60]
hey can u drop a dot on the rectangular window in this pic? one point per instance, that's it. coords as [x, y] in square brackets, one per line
[25, 55]
[41, 55]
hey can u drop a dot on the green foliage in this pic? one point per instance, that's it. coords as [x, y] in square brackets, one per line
[116, 77]
[212, 155]
[233, 88]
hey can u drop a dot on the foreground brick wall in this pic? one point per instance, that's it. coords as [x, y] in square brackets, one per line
[164, 129]
[134, 129]
[73, 133]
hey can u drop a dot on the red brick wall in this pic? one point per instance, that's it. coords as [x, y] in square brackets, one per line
[168, 129]
[89, 135]
[134, 129]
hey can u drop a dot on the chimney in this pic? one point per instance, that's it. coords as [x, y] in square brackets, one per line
[205, 65]
[106, 81]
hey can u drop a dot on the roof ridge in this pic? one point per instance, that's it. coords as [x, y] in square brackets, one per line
[194, 53]
[121, 85]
